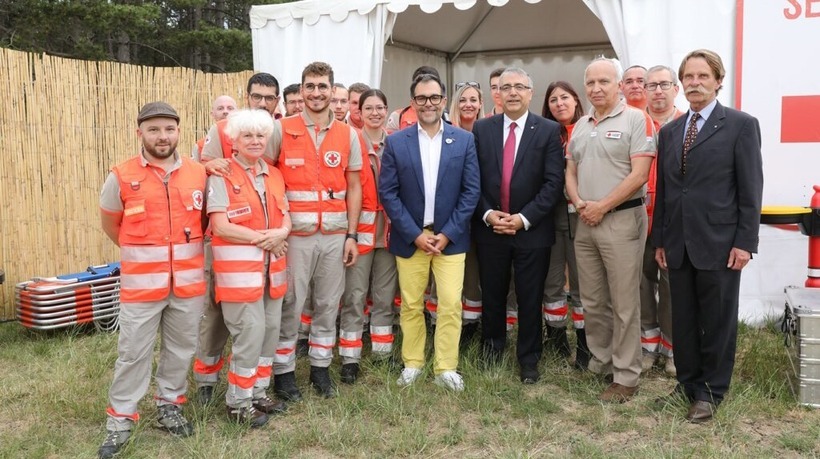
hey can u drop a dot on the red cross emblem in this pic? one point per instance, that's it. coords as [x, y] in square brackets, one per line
[197, 196]
[332, 159]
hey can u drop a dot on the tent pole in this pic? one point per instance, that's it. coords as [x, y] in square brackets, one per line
[470, 35]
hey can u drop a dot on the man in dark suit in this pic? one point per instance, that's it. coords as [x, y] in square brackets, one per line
[521, 163]
[429, 188]
[706, 222]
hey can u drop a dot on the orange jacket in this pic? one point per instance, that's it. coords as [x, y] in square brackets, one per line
[161, 234]
[652, 183]
[315, 180]
[239, 268]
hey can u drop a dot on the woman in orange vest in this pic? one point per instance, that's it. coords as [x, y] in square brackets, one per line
[250, 222]
[375, 270]
[563, 105]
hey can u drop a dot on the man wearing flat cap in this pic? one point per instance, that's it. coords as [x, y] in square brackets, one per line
[151, 207]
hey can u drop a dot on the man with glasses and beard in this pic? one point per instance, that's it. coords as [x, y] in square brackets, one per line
[320, 159]
[151, 207]
[429, 189]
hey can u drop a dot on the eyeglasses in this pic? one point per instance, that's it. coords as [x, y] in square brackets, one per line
[258, 98]
[310, 87]
[518, 87]
[665, 85]
[467, 83]
[434, 99]
[371, 108]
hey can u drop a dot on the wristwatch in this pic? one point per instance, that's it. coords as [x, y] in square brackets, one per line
[354, 236]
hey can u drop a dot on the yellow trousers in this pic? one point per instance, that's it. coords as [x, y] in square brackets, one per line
[448, 272]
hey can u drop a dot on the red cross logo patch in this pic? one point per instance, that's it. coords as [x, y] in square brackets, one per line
[333, 159]
[197, 196]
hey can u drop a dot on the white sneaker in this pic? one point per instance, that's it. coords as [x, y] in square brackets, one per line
[408, 376]
[451, 380]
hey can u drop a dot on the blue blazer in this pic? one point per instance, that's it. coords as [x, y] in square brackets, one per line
[401, 189]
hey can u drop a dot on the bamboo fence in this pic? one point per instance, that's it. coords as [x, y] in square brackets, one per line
[64, 123]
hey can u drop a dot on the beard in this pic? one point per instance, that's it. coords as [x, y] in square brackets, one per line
[152, 150]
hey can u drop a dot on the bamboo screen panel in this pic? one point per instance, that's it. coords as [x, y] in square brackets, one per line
[63, 124]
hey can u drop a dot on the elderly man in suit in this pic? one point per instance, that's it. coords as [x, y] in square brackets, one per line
[521, 163]
[429, 188]
[706, 222]
[608, 164]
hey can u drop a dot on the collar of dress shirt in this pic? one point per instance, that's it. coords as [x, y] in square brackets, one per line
[519, 122]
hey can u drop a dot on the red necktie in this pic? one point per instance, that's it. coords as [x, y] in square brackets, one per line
[691, 135]
[506, 168]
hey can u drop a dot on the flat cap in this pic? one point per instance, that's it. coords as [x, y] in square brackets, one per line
[157, 110]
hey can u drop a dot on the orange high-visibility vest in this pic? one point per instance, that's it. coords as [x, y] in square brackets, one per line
[408, 117]
[371, 206]
[239, 268]
[315, 180]
[161, 232]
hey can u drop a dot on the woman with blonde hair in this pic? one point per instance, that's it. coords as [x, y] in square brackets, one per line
[467, 105]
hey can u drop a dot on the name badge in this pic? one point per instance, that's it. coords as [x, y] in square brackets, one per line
[239, 212]
[613, 135]
[293, 162]
[134, 210]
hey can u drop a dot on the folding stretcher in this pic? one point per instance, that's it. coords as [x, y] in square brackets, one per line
[92, 296]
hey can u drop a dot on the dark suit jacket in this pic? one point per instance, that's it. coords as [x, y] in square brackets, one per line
[537, 183]
[401, 188]
[716, 205]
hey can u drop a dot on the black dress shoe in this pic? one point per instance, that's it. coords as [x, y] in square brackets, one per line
[320, 378]
[530, 375]
[700, 411]
[349, 373]
[284, 386]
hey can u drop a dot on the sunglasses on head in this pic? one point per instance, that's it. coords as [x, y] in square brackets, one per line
[467, 83]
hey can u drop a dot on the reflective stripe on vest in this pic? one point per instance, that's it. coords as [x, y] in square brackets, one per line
[315, 180]
[239, 268]
[160, 235]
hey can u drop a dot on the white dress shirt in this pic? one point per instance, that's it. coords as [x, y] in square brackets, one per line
[430, 151]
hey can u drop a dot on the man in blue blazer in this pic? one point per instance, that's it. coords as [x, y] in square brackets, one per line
[429, 187]
[705, 228]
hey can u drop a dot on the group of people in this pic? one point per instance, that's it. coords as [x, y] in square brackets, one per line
[283, 224]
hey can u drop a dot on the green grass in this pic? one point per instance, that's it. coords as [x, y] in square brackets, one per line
[53, 394]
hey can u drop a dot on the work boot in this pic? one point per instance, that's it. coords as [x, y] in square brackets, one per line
[557, 341]
[205, 395]
[302, 347]
[648, 360]
[113, 443]
[247, 415]
[284, 386]
[582, 354]
[349, 373]
[468, 332]
[320, 378]
[268, 405]
[171, 419]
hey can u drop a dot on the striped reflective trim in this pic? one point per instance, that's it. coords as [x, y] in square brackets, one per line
[279, 278]
[367, 217]
[470, 315]
[240, 280]
[322, 341]
[334, 221]
[302, 195]
[285, 353]
[304, 221]
[578, 317]
[265, 361]
[665, 347]
[555, 312]
[144, 254]
[144, 281]
[238, 253]
[366, 239]
[190, 250]
[350, 344]
[472, 303]
[382, 348]
[349, 336]
[651, 339]
[186, 277]
[336, 195]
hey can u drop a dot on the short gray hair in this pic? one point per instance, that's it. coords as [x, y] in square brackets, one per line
[615, 63]
[255, 121]
[517, 71]
[658, 68]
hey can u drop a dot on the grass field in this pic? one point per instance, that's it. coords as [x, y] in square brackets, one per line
[53, 394]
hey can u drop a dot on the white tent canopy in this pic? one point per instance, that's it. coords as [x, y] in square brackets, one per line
[381, 42]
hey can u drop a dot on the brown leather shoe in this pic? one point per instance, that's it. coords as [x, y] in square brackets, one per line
[268, 405]
[617, 393]
[701, 411]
